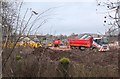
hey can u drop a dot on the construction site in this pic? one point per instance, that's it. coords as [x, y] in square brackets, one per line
[87, 56]
[76, 55]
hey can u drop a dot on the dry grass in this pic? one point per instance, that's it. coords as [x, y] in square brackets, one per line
[44, 62]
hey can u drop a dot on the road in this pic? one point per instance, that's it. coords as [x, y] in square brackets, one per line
[57, 48]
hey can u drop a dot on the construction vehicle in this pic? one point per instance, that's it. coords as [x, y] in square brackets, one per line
[101, 44]
[50, 45]
[27, 42]
[57, 43]
[61, 44]
[87, 41]
[82, 42]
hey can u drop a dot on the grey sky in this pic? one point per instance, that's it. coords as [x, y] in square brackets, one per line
[69, 17]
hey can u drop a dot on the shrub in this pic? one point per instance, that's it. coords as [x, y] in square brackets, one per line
[18, 57]
[64, 60]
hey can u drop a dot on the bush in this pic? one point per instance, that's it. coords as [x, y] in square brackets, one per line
[18, 57]
[64, 60]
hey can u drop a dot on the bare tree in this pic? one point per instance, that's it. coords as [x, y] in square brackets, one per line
[112, 6]
[13, 25]
[116, 18]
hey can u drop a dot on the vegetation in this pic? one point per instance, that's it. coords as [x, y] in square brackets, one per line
[43, 62]
[34, 60]
[18, 57]
[64, 61]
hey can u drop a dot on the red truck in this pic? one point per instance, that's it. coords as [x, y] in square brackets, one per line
[57, 43]
[82, 42]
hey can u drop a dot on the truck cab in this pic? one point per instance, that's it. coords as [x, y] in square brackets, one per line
[101, 44]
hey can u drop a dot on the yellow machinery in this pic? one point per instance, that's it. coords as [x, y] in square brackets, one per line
[26, 42]
[50, 45]
[22, 44]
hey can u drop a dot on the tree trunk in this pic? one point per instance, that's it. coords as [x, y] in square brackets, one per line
[119, 39]
[0, 40]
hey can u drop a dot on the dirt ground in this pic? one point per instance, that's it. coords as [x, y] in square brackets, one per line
[89, 59]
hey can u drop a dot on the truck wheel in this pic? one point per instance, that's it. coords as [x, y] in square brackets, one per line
[71, 47]
[56, 45]
[82, 48]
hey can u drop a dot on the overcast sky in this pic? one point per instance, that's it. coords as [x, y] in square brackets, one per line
[69, 16]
